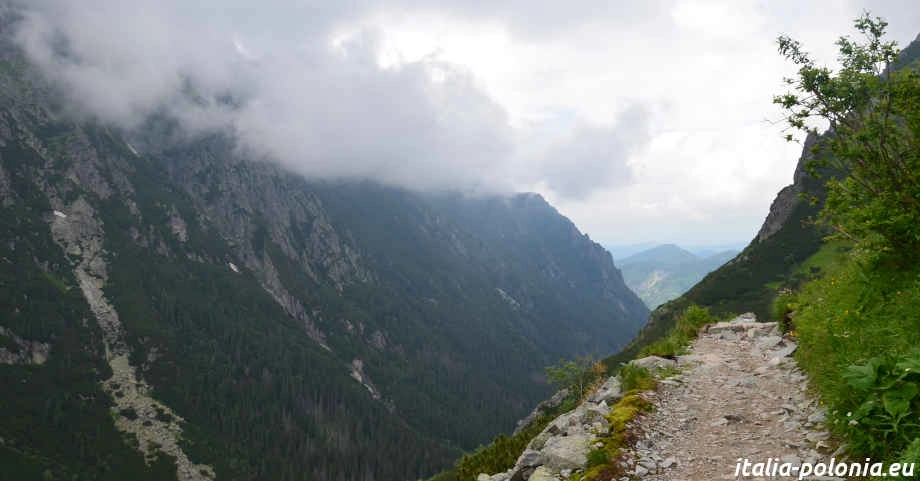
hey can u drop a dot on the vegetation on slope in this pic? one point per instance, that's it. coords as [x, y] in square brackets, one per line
[859, 324]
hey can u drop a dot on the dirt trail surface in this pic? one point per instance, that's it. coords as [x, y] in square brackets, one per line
[740, 395]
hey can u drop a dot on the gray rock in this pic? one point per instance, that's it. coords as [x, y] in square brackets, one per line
[768, 342]
[817, 436]
[747, 381]
[566, 452]
[654, 363]
[539, 440]
[786, 351]
[594, 414]
[550, 403]
[746, 317]
[609, 392]
[742, 328]
[668, 462]
[541, 474]
[529, 458]
[729, 335]
[819, 416]
[640, 471]
[521, 474]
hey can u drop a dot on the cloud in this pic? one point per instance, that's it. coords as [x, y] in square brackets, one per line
[319, 107]
[593, 158]
[640, 120]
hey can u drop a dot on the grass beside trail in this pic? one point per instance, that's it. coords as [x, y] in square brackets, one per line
[859, 330]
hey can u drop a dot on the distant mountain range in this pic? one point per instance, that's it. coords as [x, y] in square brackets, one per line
[622, 251]
[664, 272]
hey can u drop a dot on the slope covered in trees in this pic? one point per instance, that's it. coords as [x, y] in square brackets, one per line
[302, 329]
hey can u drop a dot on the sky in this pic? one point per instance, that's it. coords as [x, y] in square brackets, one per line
[641, 121]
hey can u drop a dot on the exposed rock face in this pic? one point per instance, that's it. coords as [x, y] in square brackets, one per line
[23, 351]
[786, 200]
[563, 446]
[357, 373]
[541, 409]
[608, 393]
[155, 425]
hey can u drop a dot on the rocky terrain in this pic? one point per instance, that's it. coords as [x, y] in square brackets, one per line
[738, 394]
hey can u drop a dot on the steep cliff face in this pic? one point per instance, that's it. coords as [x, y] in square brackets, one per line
[788, 198]
[170, 309]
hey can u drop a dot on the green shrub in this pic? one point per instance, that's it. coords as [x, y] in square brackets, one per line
[858, 328]
[881, 402]
[576, 375]
[875, 114]
[633, 377]
[683, 332]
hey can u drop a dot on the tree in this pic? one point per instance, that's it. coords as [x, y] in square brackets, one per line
[873, 112]
[575, 375]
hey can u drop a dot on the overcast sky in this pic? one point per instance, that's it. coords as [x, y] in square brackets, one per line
[641, 121]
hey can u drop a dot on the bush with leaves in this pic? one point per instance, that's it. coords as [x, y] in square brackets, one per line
[882, 404]
[576, 375]
[874, 115]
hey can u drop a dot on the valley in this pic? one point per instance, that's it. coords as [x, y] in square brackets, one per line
[365, 242]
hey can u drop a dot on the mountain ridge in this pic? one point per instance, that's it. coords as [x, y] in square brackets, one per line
[666, 271]
[259, 324]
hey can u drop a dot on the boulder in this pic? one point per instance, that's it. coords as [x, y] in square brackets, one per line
[610, 392]
[529, 458]
[655, 363]
[594, 413]
[541, 408]
[542, 474]
[746, 317]
[539, 440]
[566, 452]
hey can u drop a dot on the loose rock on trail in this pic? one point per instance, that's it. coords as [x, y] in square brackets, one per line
[741, 396]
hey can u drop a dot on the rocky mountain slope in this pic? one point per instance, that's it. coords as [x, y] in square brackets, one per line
[665, 272]
[172, 309]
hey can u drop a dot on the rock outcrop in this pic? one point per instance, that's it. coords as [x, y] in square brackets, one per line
[22, 351]
[787, 198]
[155, 426]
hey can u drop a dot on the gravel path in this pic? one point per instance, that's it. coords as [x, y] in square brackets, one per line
[740, 396]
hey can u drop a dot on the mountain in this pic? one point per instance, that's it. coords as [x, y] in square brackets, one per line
[749, 281]
[171, 309]
[620, 251]
[665, 272]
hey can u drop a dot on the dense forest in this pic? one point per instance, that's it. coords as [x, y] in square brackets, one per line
[301, 329]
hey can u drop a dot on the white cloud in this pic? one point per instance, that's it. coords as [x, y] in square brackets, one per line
[640, 120]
